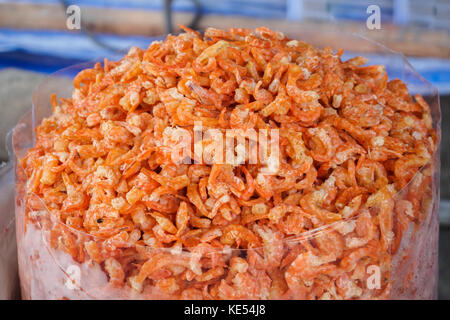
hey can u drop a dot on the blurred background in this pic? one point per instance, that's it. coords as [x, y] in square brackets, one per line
[38, 37]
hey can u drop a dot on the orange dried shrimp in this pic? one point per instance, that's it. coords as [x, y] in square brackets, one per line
[349, 141]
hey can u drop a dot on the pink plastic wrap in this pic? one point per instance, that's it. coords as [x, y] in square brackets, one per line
[54, 263]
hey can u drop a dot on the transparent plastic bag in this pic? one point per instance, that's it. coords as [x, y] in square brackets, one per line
[54, 262]
[8, 249]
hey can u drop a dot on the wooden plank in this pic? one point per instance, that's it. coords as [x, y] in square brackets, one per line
[413, 41]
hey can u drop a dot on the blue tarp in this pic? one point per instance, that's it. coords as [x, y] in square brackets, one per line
[254, 8]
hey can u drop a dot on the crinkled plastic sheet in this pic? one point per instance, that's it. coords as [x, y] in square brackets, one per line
[8, 249]
[48, 271]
